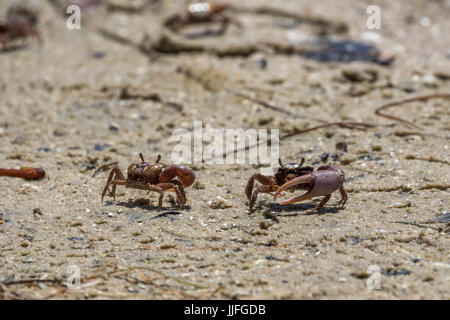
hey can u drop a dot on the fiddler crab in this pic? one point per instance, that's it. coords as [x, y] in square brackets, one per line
[202, 12]
[152, 177]
[323, 182]
[18, 26]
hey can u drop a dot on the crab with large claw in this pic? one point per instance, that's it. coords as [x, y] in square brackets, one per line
[272, 183]
[152, 177]
[323, 182]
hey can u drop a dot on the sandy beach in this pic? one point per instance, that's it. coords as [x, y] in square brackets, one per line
[123, 83]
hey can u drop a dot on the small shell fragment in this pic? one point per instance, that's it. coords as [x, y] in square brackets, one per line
[219, 203]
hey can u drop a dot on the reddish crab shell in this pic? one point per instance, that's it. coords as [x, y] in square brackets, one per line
[13, 30]
[152, 177]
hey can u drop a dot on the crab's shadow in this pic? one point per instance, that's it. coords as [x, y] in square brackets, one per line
[304, 209]
[203, 34]
[140, 203]
[13, 48]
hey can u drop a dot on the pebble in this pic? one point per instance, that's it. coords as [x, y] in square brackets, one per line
[430, 80]
[98, 54]
[372, 36]
[24, 244]
[219, 203]
[425, 21]
[199, 185]
[132, 290]
[101, 147]
[342, 146]
[114, 127]
[324, 157]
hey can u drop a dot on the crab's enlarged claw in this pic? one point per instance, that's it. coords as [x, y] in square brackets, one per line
[306, 179]
[185, 174]
[322, 182]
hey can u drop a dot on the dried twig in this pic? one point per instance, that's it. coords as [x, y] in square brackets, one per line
[378, 111]
[140, 47]
[22, 281]
[196, 286]
[24, 172]
[149, 281]
[429, 159]
[165, 214]
[344, 124]
[415, 224]
[266, 104]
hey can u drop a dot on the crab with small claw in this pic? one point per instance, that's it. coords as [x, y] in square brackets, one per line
[323, 182]
[16, 29]
[152, 177]
[272, 183]
[202, 12]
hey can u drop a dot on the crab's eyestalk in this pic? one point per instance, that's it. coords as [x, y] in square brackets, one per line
[302, 162]
[158, 158]
[280, 163]
[142, 157]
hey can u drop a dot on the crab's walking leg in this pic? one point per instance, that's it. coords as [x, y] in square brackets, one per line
[322, 203]
[266, 181]
[115, 173]
[264, 189]
[3, 41]
[180, 188]
[158, 189]
[343, 196]
[168, 186]
[120, 177]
